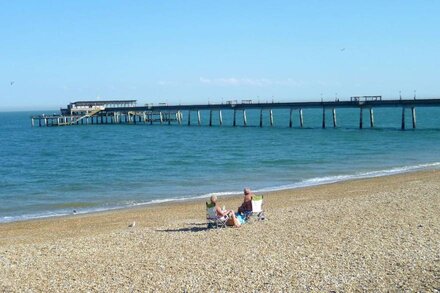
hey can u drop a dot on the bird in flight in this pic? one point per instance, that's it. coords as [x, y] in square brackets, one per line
[12, 83]
[343, 49]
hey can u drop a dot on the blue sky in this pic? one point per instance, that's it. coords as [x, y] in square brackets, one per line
[56, 52]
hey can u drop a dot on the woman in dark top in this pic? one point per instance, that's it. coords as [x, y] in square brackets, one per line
[247, 201]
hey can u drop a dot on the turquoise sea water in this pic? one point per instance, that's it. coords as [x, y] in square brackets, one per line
[48, 171]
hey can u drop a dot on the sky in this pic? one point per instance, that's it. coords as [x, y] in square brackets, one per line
[186, 52]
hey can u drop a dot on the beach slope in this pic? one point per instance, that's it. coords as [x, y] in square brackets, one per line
[370, 234]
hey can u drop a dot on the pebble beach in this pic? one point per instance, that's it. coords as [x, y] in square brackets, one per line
[378, 234]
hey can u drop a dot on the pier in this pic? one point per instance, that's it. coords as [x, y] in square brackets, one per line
[127, 112]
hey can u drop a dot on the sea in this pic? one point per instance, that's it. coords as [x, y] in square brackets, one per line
[54, 171]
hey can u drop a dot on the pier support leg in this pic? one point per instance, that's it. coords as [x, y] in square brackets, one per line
[169, 118]
[271, 117]
[244, 118]
[403, 118]
[290, 118]
[179, 117]
[261, 117]
[189, 117]
[413, 112]
[334, 117]
[210, 118]
[198, 118]
[323, 117]
[161, 117]
[220, 117]
[301, 118]
[234, 123]
[371, 118]
[360, 118]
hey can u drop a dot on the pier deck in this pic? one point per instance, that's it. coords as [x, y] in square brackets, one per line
[296, 105]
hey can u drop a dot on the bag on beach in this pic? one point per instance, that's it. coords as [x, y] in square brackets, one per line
[230, 222]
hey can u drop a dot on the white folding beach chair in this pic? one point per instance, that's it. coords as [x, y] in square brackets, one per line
[257, 208]
[214, 221]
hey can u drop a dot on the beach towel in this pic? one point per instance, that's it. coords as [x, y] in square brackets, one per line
[241, 218]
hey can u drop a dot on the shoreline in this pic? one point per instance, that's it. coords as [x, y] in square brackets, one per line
[377, 234]
[229, 199]
[311, 182]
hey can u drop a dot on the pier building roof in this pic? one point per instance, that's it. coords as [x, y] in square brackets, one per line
[104, 103]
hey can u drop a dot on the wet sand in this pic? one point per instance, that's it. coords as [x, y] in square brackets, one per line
[380, 234]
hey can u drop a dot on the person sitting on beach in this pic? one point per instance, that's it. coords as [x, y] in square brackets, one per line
[225, 213]
[246, 206]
